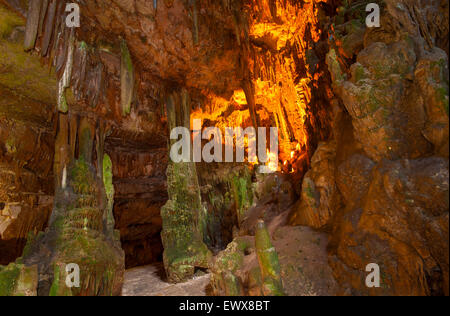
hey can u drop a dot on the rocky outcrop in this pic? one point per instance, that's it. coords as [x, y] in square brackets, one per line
[391, 171]
[319, 196]
[402, 212]
[249, 266]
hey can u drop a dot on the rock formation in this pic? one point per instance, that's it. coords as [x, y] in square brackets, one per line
[362, 114]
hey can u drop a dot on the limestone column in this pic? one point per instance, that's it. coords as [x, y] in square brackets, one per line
[183, 214]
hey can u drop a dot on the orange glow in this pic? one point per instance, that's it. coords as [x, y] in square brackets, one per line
[281, 97]
[272, 162]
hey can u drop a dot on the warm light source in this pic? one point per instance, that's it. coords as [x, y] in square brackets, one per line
[272, 162]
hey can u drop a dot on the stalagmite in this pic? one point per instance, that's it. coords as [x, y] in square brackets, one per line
[268, 261]
[86, 139]
[249, 90]
[183, 214]
[81, 225]
[109, 188]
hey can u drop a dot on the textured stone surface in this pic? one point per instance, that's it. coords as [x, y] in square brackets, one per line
[395, 210]
[26, 140]
[319, 197]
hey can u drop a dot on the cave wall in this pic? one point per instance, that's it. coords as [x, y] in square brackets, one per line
[27, 92]
[380, 185]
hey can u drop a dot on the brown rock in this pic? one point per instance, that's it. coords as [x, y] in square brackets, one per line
[401, 225]
[320, 197]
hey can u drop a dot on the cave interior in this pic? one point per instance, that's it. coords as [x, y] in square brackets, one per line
[360, 175]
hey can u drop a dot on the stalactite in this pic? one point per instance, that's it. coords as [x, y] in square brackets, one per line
[43, 11]
[48, 28]
[64, 82]
[62, 151]
[86, 135]
[195, 20]
[73, 121]
[273, 8]
[249, 90]
[59, 40]
[126, 79]
[237, 30]
[32, 27]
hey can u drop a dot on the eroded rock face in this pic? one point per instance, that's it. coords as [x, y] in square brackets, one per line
[26, 140]
[392, 176]
[401, 224]
[319, 196]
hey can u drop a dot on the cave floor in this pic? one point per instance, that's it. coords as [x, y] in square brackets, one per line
[303, 261]
[149, 281]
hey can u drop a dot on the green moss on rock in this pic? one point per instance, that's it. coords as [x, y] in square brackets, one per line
[183, 217]
[8, 279]
[22, 72]
[8, 21]
[268, 262]
[18, 280]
